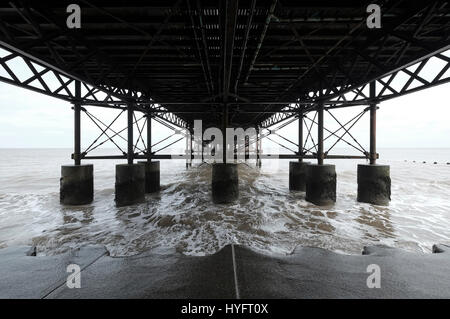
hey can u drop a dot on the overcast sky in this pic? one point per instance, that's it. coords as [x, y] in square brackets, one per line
[33, 120]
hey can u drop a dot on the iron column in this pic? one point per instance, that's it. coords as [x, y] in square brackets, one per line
[152, 176]
[149, 137]
[201, 148]
[130, 153]
[320, 178]
[373, 126]
[191, 152]
[297, 169]
[374, 181]
[77, 181]
[224, 131]
[77, 123]
[257, 146]
[320, 154]
[300, 135]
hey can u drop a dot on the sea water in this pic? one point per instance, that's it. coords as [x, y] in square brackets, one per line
[267, 217]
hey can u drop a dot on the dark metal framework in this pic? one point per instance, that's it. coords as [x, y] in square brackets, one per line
[246, 63]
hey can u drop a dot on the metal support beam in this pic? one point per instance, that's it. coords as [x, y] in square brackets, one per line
[262, 156]
[373, 126]
[231, 14]
[191, 153]
[260, 149]
[244, 47]
[300, 135]
[320, 154]
[257, 146]
[247, 147]
[130, 153]
[261, 38]
[77, 124]
[224, 131]
[149, 137]
[201, 148]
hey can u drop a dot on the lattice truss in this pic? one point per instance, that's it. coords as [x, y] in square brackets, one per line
[337, 132]
[424, 73]
[32, 74]
[418, 75]
[112, 131]
[429, 72]
[19, 70]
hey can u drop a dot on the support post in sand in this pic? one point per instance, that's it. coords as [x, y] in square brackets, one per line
[374, 181]
[225, 180]
[152, 169]
[320, 178]
[225, 183]
[130, 177]
[297, 169]
[77, 181]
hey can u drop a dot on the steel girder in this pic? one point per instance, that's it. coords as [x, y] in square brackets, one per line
[413, 77]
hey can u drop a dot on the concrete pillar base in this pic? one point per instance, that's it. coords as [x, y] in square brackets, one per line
[130, 184]
[76, 184]
[152, 176]
[321, 184]
[225, 183]
[374, 184]
[297, 175]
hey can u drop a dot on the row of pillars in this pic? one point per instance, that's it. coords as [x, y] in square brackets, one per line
[133, 180]
[319, 183]
[319, 180]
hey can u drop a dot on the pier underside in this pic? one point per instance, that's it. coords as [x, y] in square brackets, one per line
[191, 57]
[231, 64]
[249, 64]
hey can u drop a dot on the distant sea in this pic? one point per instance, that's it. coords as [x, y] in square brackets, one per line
[267, 217]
